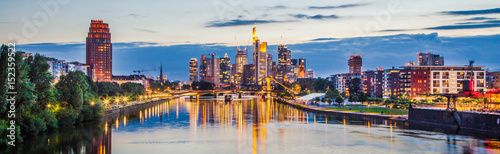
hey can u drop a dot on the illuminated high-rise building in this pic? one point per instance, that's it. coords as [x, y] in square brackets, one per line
[430, 59]
[284, 63]
[225, 70]
[99, 51]
[203, 68]
[241, 61]
[259, 57]
[355, 62]
[213, 69]
[302, 68]
[193, 70]
[269, 65]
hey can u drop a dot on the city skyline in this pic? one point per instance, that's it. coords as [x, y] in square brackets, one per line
[466, 21]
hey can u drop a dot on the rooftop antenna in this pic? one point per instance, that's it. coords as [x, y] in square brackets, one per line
[282, 40]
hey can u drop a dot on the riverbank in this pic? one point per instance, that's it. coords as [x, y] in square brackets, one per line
[116, 112]
[337, 112]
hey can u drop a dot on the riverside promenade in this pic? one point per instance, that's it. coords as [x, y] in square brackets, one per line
[322, 110]
[132, 107]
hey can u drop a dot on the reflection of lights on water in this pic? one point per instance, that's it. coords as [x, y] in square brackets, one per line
[117, 123]
[124, 121]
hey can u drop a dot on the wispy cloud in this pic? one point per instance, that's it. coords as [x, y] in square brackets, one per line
[335, 7]
[134, 15]
[481, 18]
[280, 7]
[393, 30]
[469, 25]
[145, 30]
[238, 22]
[473, 12]
[319, 16]
[324, 39]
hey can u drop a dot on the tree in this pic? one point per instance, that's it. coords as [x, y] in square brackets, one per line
[339, 100]
[331, 94]
[108, 89]
[362, 97]
[316, 100]
[329, 101]
[3, 81]
[354, 86]
[353, 98]
[76, 95]
[202, 85]
[40, 76]
[343, 94]
[133, 89]
[323, 99]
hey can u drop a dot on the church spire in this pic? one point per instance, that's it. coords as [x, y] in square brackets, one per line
[161, 73]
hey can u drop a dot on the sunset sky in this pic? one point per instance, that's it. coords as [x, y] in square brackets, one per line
[386, 32]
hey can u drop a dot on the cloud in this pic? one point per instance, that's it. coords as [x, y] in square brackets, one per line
[473, 12]
[134, 15]
[238, 22]
[279, 7]
[393, 30]
[469, 25]
[319, 16]
[481, 18]
[324, 39]
[146, 30]
[334, 7]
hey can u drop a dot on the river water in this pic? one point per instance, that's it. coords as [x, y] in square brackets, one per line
[252, 125]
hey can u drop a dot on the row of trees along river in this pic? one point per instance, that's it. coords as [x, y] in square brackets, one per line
[43, 104]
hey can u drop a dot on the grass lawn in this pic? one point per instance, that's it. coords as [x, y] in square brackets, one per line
[372, 110]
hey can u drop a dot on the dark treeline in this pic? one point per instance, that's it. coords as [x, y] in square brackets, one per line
[41, 103]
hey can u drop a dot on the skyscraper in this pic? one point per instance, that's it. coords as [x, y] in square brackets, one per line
[203, 68]
[99, 51]
[269, 65]
[259, 57]
[213, 71]
[302, 68]
[284, 63]
[355, 63]
[241, 61]
[225, 70]
[310, 73]
[248, 74]
[193, 70]
[430, 59]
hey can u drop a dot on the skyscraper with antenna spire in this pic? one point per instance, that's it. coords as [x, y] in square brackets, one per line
[259, 56]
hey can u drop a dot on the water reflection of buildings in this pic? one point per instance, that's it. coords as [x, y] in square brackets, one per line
[251, 122]
[101, 144]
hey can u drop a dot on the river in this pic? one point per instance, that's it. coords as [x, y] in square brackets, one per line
[251, 125]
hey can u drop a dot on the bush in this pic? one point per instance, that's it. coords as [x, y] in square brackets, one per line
[67, 117]
[50, 119]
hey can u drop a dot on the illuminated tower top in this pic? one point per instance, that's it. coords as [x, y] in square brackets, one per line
[254, 32]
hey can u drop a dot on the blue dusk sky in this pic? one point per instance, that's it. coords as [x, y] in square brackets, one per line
[144, 33]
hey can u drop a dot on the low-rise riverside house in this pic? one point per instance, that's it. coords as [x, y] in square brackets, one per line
[140, 79]
[59, 68]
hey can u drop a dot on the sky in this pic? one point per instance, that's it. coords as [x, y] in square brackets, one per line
[146, 33]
